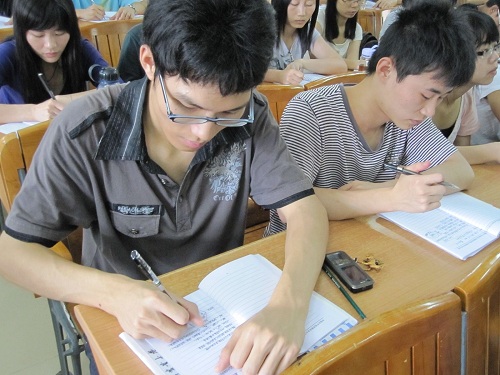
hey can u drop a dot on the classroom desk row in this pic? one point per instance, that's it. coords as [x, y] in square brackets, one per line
[369, 19]
[416, 276]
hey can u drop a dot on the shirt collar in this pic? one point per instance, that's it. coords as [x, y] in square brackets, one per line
[123, 138]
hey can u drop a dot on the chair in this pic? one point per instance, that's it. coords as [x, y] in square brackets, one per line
[422, 338]
[480, 295]
[350, 77]
[16, 154]
[278, 96]
[108, 37]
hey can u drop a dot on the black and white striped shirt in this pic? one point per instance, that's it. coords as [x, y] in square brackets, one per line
[324, 139]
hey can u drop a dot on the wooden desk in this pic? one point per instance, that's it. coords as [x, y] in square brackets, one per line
[413, 270]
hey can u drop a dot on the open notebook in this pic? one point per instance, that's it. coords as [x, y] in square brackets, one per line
[227, 297]
[462, 226]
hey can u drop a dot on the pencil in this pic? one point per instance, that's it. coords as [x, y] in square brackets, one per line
[405, 171]
[49, 91]
[337, 283]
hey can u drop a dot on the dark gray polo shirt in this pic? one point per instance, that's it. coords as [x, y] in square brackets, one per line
[92, 170]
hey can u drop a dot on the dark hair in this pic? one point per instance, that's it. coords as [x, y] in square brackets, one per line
[6, 8]
[490, 3]
[332, 26]
[483, 27]
[429, 37]
[305, 33]
[42, 15]
[224, 42]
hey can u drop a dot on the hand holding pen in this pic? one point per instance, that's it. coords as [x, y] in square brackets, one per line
[402, 170]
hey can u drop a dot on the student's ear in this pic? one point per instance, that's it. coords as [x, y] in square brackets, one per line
[385, 68]
[147, 61]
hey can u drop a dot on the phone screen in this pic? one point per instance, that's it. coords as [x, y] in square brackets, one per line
[354, 273]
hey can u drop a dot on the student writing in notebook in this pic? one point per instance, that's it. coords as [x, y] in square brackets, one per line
[165, 165]
[299, 48]
[46, 40]
[456, 116]
[342, 136]
[94, 10]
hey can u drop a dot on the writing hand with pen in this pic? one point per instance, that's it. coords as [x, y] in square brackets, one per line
[152, 311]
[410, 191]
[293, 74]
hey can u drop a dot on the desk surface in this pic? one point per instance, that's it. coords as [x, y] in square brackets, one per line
[413, 270]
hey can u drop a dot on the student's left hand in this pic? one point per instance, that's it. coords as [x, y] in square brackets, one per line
[124, 13]
[268, 343]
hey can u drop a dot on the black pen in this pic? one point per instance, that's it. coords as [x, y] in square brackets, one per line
[405, 171]
[330, 274]
[49, 91]
[148, 272]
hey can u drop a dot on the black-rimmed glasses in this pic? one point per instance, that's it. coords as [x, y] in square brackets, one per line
[488, 52]
[189, 120]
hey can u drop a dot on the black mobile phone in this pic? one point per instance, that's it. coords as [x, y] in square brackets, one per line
[349, 272]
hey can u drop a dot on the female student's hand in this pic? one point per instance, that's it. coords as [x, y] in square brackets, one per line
[292, 74]
[124, 13]
[386, 4]
[92, 13]
[47, 109]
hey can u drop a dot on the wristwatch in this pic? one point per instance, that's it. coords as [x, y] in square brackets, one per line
[133, 7]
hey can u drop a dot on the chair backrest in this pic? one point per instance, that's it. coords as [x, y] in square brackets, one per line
[16, 153]
[480, 293]
[108, 37]
[421, 338]
[350, 77]
[278, 96]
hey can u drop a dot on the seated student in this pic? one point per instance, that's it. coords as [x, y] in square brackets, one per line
[299, 48]
[337, 24]
[456, 116]
[166, 165]
[342, 136]
[94, 10]
[46, 40]
[488, 110]
[129, 65]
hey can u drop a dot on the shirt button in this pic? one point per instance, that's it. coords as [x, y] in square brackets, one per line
[134, 231]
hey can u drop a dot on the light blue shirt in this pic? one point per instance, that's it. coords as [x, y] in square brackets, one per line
[108, 5]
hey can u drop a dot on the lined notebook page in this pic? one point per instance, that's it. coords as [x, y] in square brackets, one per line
[229, 296]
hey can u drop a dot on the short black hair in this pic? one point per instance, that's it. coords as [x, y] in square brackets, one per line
[224, 42]
[429, 37]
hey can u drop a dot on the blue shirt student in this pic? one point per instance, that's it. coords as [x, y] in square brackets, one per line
[108, 5]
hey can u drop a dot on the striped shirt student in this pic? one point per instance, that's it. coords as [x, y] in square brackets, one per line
[322, 135]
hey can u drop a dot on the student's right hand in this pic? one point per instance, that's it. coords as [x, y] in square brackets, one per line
[291, 76]
[92, 13]
[145, 311]
[418, 193]
[46, 110]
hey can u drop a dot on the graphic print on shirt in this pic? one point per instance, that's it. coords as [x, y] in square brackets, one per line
[224, 172]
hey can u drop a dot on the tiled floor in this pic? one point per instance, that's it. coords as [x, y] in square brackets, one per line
[27, 343]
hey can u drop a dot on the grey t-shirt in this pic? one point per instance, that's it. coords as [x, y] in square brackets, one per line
[92, 170]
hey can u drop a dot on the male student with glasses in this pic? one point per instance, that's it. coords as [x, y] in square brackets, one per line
[166, 165]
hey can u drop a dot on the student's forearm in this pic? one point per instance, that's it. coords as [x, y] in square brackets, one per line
[40, 270]
[140, 6]
[325, 66]
[348, 204]
[305, 248]
[481, 154]
[16, 113]
[273, 75]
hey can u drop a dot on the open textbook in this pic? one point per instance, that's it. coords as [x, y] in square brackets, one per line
[226, 298]
[462, 226]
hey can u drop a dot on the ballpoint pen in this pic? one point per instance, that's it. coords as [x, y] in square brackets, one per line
[49, 91]
[330, 274]
[148, 272]
[405, 171]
